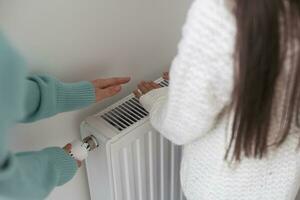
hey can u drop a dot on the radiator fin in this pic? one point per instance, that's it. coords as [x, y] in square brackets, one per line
[139, 168]
[147, 168]
[128, 113]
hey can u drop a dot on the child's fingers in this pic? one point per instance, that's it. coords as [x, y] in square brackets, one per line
[68, 147]
[148, 86]
[79, 163]
[154, 85]
[166, 76]
[137, 94]
[107, 92]
[142, 87]
[104, 83]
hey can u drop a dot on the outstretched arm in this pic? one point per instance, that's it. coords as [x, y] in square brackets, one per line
[29, 175]
[201, 79]
[46, 96]
[32, 175]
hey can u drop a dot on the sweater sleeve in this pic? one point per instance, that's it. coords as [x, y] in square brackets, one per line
[28, 175]
[46, 96]
[200, 82]
[33, 175]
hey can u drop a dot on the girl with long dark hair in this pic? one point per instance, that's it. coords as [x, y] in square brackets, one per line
[233, 100]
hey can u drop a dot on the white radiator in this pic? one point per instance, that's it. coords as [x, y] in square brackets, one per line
[133, 161]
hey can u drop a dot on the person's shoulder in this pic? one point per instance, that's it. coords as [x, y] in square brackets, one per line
[210, 22]
[212, 8]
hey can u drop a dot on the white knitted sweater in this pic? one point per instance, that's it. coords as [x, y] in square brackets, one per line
[200, 87]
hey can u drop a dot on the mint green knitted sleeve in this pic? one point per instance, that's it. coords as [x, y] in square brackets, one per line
[33, 175]
[46, 96]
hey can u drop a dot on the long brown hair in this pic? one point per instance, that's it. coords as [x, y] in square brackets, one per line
[267, 29]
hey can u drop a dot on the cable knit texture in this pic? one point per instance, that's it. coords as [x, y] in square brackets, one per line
[33, 175]
[200, 89]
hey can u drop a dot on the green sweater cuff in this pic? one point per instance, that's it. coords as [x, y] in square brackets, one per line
[64, 165]
[46, 96]
[71, 96]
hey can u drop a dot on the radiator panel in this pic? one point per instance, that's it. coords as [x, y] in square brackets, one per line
[146, 167]
[133, 162]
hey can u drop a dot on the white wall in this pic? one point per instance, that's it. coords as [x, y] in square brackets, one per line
[85, 39]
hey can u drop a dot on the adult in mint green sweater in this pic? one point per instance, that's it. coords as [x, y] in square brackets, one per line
[32, 175]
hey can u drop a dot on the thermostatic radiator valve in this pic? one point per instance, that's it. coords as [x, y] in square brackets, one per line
[80, 149]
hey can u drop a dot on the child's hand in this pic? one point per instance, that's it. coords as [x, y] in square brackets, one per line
[166, 76]
[68, 149]
[105, 88]
[144, 88]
